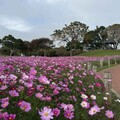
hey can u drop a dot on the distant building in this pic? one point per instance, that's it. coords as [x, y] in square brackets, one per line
[118, 46]
[110, 44]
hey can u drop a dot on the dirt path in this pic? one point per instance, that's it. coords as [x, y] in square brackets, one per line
[115, 77]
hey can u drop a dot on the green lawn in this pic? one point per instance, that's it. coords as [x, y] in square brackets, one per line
[101, 53]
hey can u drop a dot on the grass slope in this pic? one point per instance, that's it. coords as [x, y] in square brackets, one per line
[101, 53]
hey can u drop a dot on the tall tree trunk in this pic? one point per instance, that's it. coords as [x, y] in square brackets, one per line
[11, 52]
[71, 52]
[70, 49]
[44, 52]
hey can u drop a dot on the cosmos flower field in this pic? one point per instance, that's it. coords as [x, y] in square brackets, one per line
[58, 88]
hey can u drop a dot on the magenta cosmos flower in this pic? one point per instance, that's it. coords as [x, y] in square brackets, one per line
[56, 112]
[109, 114]
[13, 93]
[97, 84]
[46, 113]
[68, 114]
[25, 106]
[11, 117]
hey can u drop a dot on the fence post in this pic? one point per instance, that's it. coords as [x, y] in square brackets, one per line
[115, 61]
[94, 68]
[108, 85]
[101, 63]
[108, 62]
[89, 65]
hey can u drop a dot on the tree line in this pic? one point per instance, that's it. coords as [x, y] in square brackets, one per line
[72, 40]
[13, 46]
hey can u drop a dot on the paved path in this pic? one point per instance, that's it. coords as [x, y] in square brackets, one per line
[115, 77]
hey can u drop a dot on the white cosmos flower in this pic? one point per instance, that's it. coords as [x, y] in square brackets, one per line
[105, 98]
[84, 96]
[84, 104]
[93, 97]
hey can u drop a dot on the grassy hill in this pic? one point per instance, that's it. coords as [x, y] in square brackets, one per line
[101, 53]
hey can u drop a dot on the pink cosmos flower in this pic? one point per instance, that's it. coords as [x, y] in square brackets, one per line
[13, 77]
[25, 106]
[13, 93]
[67, 107]
[84, 74]
[4, 115]
[70, 107]
[43, 98]
[74, 98]
[46, 113]
[25, 77]
[31, 77]
[3, 87]
[38, 95]
[20, 88]
[56, 112]
[63, 106]
[40, 88]
[33, 71]
[55, 92]
[43, 79]
[68, 114]
[28, 84]
[48, 98]
[109, 114]
[94, 110]
[4, 104]
[52, 85]
[4, 100]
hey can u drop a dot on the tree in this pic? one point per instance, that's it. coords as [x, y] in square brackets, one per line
[12, 44]
[113, 32]
[73, 32]
[41, 43]
[95, 39]
[74, 45]
[27, 47]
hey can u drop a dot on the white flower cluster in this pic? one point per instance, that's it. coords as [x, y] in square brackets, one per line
[118, 100]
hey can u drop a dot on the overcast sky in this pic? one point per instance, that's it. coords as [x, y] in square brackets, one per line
[29, 19]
